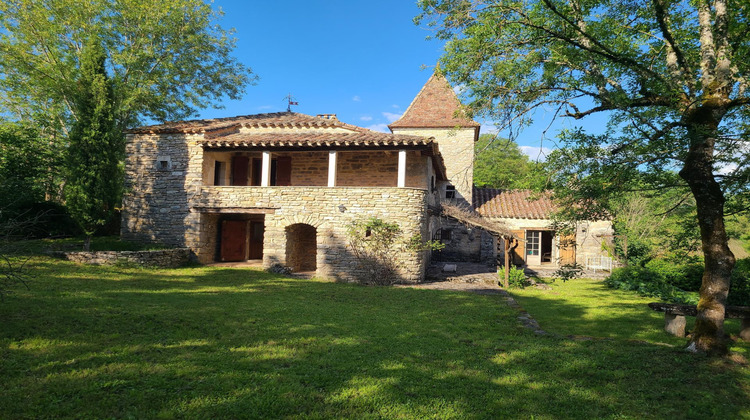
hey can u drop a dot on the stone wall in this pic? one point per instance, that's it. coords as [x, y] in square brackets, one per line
[157, 258]
[457, 147]
[330, 211]
[158, 200]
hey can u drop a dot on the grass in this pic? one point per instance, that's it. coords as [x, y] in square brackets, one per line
[588, 307]
[207, 342]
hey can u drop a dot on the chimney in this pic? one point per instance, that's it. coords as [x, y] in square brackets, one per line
[328, 116]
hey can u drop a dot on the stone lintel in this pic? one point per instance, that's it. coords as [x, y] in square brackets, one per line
[236, 210]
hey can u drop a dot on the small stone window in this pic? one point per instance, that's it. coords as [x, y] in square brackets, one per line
[163, 163]
[446, 234]
[450, 191]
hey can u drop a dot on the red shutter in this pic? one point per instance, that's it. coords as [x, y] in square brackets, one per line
[283, 171]
[239, 170]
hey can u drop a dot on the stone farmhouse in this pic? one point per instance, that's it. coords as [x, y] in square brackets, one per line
[284, 187]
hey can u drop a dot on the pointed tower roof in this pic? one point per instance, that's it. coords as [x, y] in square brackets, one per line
[435, 106]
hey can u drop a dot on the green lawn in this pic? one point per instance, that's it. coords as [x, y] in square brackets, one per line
[96, 342]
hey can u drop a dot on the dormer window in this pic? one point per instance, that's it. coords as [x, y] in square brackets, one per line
[450, 192]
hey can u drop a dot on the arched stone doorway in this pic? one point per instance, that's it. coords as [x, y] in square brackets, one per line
[301, 247]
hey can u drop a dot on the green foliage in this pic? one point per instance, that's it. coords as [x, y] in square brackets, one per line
[94, 172]
[500, 163]
[25, 157]
[568, 272]
[739, 290]
[516, 277]
[649, 282]
[167, 58]
[377, 244]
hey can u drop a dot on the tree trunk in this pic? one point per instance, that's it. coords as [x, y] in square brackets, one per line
[708, 335]
[87, 243]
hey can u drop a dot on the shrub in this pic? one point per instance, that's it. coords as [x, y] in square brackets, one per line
[516, 277]
[739, 288]
[687, 277]
[650, 283]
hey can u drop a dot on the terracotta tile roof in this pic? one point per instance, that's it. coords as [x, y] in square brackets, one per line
[517, 204]
[363, 140]
[435, 106]
[314, 139]
[269, 120]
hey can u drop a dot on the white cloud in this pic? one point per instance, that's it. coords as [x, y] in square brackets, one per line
[265, 107]
[356, 98]
[536, 153]
[394, 106]
[365, 118]
[391, 117]
[383, 128]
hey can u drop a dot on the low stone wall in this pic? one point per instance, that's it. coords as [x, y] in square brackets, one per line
[158, 258]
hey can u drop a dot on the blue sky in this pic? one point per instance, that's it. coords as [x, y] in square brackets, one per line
[364, 61]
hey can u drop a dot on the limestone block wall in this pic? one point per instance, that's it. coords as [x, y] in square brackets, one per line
[330, 211]
[590, 236]
[162, 175]
[156, 258]
[457, 147]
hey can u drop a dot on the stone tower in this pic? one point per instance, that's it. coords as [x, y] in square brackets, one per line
[436, 112]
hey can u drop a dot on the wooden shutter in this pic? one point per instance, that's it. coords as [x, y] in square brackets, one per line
[239, 170]
[567, 246]
[283, 171]
[257, 169]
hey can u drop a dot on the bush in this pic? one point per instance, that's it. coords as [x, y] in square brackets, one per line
[516, 277]
[687, 277]
[650, 283]
[739, 288]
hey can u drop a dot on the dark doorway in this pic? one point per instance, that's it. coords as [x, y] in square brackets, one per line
[301, 247]
[233, 240]
[547, 246]
[256, 241]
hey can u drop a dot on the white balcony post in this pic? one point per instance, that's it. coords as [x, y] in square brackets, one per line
[332, 168]
[401, 168]
[265, 171]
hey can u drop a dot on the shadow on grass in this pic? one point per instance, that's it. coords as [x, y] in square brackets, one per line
[95, 342]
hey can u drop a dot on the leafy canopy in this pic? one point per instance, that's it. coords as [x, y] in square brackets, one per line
[166, 58]
[500, 163]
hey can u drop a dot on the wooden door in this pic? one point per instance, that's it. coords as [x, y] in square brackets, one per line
[239, 170]
[234, 240]
[533, 247]
[256, 241]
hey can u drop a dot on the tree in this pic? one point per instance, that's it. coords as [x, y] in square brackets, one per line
[167, 58]
[94, 174]
[500, 163]
[25, 157]
[670, 75]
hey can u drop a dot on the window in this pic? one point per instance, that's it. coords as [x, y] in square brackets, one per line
[220, 169]
[450, 191]
[533, 239]
[446, 234]
[163, 163]
[432, 183]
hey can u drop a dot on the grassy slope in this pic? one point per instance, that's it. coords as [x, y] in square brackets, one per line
[93, 342]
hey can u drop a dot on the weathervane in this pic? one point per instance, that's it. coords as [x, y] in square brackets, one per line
[290, 102]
